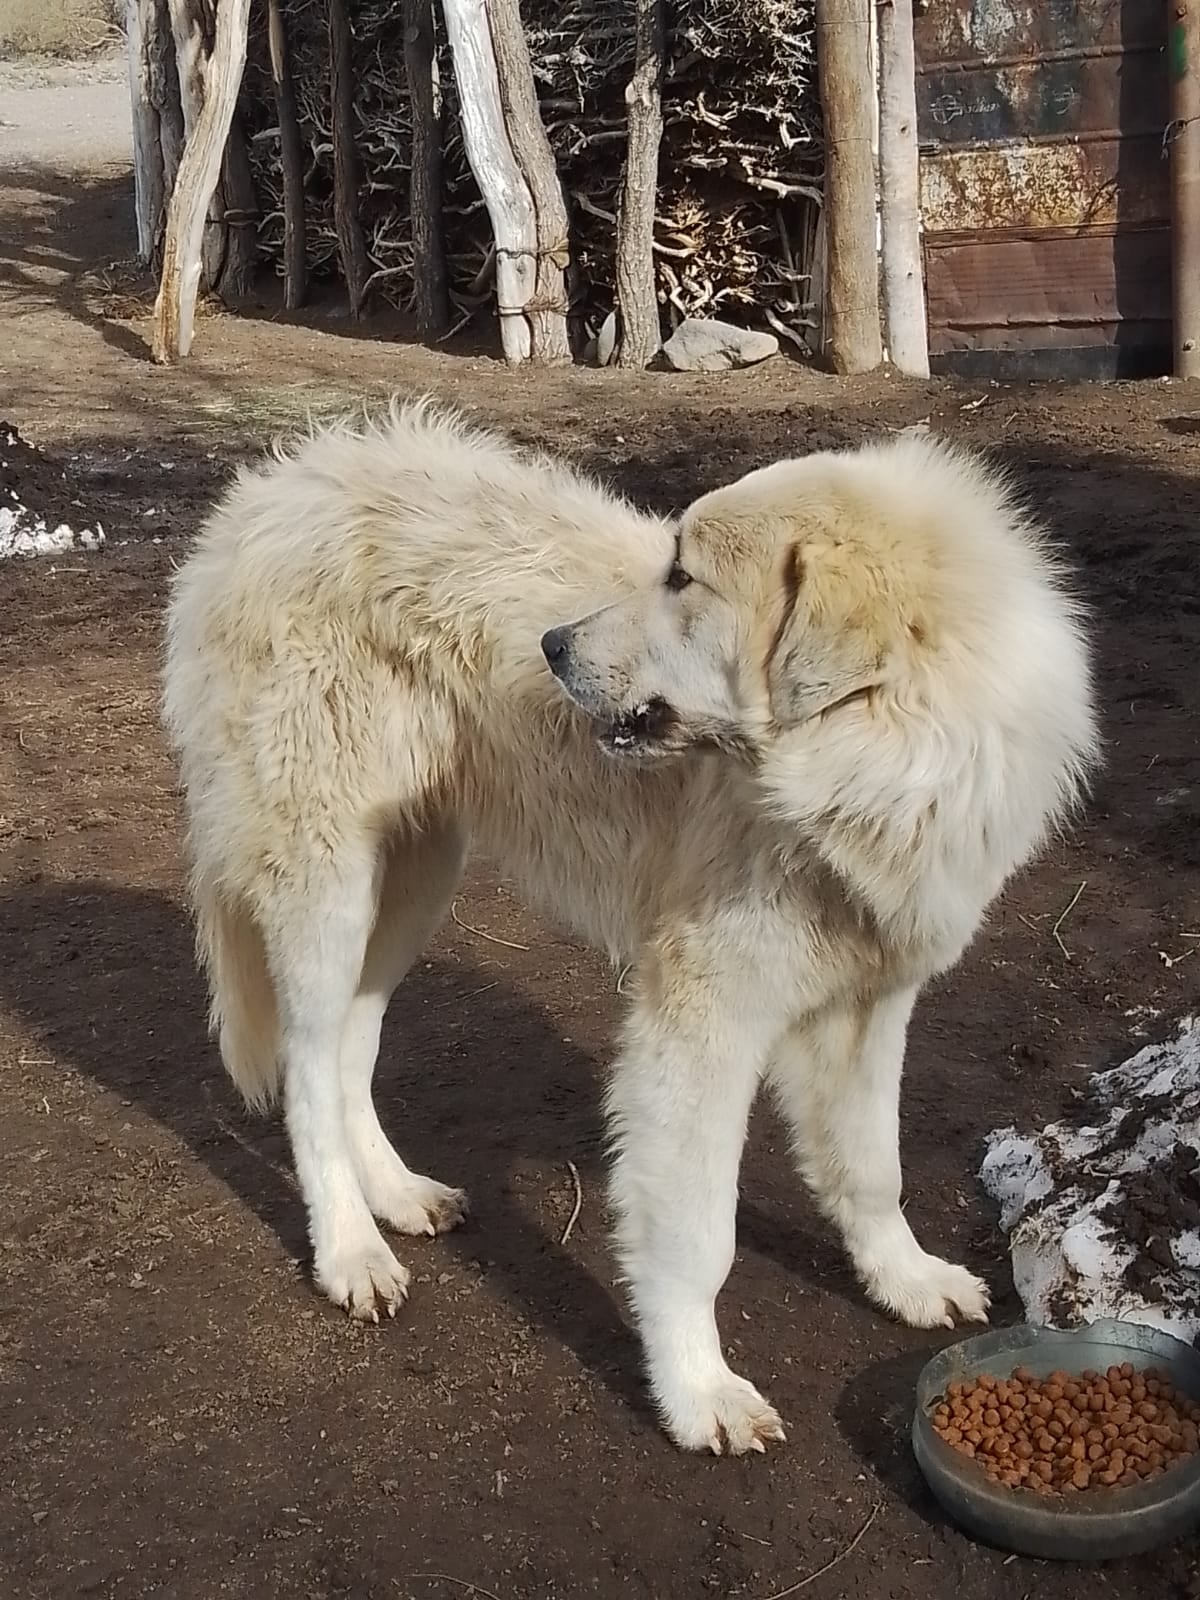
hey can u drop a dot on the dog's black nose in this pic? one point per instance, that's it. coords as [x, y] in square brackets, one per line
[555, 644]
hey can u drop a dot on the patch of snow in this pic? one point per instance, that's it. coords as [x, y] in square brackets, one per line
[1059, 1195]
[23, 533]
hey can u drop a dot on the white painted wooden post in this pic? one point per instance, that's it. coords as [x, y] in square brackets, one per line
[903, 278]
[547, 312]
[504, 190]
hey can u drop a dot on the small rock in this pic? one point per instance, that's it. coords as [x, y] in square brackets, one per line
[703, 344]
[606, 340]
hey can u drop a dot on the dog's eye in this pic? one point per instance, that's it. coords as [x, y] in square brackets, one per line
[677, 578]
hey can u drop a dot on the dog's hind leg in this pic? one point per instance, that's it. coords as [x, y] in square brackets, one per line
[420, 877]
[316, 934]
[837, 1076]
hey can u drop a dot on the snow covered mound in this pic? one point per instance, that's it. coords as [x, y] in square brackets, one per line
[1103, 1209]
[37, 515]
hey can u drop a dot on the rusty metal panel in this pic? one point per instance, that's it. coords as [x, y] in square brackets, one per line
[1044, 191]
[1052, 289]
[1032, 187]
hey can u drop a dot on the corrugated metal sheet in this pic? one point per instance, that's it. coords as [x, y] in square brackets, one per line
[1044, 189]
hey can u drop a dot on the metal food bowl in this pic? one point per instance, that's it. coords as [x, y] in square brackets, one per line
[1098, 1524]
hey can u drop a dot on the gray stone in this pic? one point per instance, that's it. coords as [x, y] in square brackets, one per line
[702, 344]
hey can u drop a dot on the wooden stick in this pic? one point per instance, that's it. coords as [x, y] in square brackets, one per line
[549, 344]
[431, 302]
[899, 192]
[577, 1207]
[291, 160]
[834, 1561]
[847, 94]
[352, 247]
[500, 180]
[1183, 137]
[199, 172]
[640, 330]
[481, 933]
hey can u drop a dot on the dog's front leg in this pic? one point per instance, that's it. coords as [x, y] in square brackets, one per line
[678, 1106]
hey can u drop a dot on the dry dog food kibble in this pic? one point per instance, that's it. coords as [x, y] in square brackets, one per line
[1063, 1434]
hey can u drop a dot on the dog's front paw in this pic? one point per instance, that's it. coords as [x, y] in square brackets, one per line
[362, 1276]
[727, 1416]
[930, 1293]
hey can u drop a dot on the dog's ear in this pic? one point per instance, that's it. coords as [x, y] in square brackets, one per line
[822, 653]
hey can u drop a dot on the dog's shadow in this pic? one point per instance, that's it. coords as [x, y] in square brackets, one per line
[473, 1079]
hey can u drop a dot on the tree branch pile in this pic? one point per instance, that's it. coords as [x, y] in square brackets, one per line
[740, 170]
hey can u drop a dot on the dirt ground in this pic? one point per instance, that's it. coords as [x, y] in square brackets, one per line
[180, 1414]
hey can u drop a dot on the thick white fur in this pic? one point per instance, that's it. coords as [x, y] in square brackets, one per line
[355, 689]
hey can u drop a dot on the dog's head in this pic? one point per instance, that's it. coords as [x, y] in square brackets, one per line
[885, 637]
[785, 600]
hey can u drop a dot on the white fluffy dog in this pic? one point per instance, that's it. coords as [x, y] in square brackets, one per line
[799, 740]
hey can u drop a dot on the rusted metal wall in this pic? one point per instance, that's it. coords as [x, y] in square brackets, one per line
[1044, 188]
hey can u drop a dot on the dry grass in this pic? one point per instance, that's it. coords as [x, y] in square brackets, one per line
[58, 27]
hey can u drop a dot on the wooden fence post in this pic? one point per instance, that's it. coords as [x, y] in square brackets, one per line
[431, 302]
[547, 311]
[157, 119]
[501, 182]
[640, 328]
[291, 160]
[899, 192]
[148, 187]
[351, 244]
[196, 183]
[236, 214]
[1183, 54]
[847, 97]
[164, 94]
[190, 21]
[230, 245]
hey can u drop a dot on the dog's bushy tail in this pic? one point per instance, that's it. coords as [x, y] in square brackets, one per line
[244, 1014]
